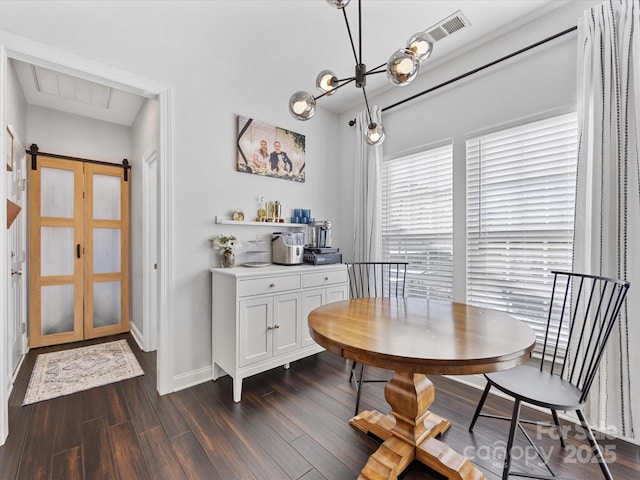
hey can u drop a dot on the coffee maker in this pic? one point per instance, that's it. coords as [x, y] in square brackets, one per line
[319, 234]
[319, 249]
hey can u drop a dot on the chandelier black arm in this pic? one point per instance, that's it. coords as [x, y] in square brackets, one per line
[347, 81]
[359, 60]
[353, 47]
[373, 70]
[366, 102]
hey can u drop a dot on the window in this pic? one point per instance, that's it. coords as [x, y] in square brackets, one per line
[520, 214]
[417, 219]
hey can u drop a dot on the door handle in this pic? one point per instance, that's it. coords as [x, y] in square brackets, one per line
[78, 250]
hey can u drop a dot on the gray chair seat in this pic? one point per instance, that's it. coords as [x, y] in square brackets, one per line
[538, 388]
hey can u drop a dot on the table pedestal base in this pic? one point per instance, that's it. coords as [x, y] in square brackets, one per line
[409, 432]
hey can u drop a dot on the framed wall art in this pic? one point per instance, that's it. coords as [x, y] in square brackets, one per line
[270, 151]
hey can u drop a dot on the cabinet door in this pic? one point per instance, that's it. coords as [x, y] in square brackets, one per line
[337, 294]
[310, 299]
[256, 321]
[286, 323]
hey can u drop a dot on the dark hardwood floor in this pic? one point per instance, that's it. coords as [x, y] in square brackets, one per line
[291, 424]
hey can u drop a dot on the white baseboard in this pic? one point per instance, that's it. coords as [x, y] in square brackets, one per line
[191, 379]
[475, 381]
[137, 336]
[13, 377]
[18, 367]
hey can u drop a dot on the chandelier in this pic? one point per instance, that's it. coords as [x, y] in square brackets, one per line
[401, 68]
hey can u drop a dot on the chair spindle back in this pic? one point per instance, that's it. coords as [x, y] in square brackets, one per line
[582, 313]
[377, 279]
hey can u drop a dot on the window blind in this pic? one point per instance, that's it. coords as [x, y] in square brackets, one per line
[520, 214]
[417, 219]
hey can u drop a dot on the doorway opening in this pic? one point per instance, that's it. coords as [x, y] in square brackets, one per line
[40, 55]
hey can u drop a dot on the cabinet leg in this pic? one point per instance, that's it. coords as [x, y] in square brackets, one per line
[237, 389]
[217, 372]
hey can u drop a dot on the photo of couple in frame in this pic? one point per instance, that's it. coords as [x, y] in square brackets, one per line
[270, 151]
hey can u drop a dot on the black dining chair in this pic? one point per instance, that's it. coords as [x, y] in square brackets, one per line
[582, 312]
[373, 279]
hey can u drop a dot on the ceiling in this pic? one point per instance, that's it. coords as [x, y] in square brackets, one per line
[48, 88]
[312, 37]
[387, 25]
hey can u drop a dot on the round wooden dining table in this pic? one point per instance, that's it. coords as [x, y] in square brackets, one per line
[414, 337]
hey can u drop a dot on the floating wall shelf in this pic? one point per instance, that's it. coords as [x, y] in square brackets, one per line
[228, 221]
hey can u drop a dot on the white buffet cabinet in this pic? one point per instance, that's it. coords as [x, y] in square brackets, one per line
[259, 315]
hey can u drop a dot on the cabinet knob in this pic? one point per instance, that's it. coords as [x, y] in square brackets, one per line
[326, 278]
[272, 285]
[270, 327]
[276, 326]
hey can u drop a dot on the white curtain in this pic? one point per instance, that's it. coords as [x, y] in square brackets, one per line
[607, 229]
[367, 188]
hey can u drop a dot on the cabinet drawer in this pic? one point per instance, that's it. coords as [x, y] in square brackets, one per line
[324, 278]
[257, 286]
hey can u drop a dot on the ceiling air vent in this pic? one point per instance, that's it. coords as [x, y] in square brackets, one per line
[448, 26]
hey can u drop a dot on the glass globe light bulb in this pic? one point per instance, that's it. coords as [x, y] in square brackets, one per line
[375, 134]
[338, 3]
[402, 67]
[421, 46]
[326, 81]
[302, 105]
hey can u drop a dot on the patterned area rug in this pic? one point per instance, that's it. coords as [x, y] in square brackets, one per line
[68, 371]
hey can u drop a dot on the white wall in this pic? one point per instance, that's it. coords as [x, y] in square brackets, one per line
[534, 83]
[144, 140]
[67, 134]
[160, 41]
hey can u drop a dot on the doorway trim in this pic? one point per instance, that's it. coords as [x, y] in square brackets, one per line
[4, 264]
[150, 255]
[30, 51]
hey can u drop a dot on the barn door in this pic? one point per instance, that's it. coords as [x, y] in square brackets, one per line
[78, 219]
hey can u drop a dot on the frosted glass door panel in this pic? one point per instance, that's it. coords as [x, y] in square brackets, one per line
[106, 197]
[56, 314]
[106, 304]
[106, 250]
[56, 251]
[56, 192]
